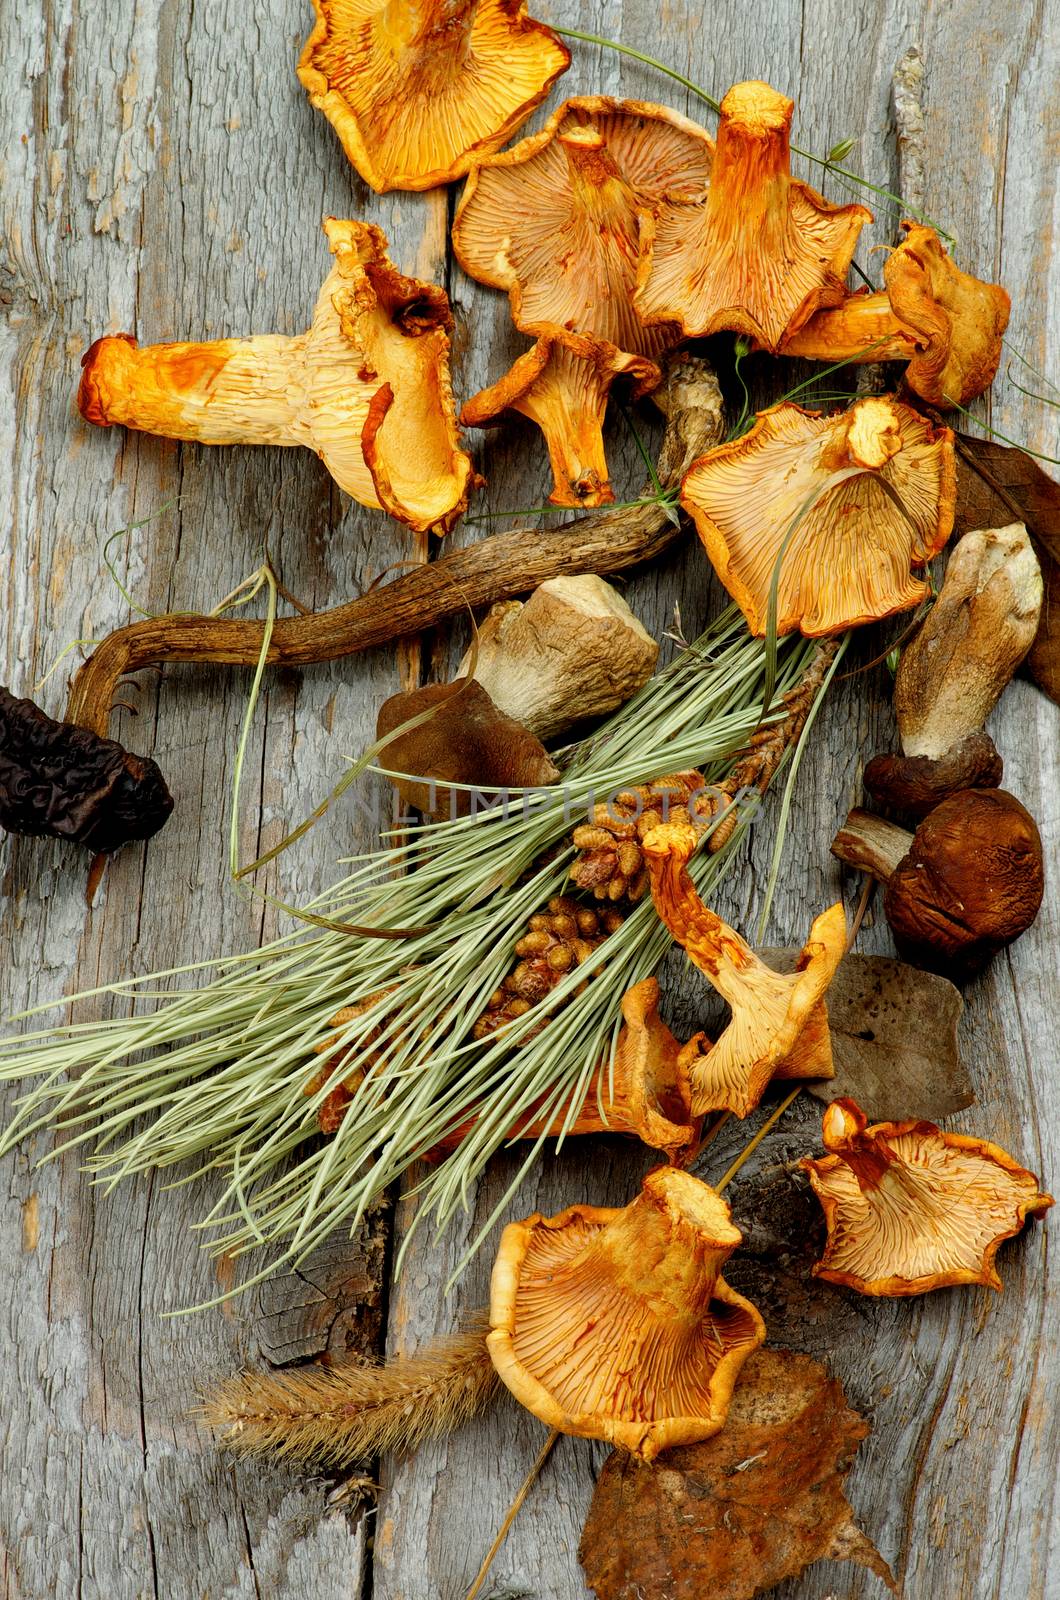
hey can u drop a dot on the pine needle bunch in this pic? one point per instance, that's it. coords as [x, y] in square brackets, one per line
[215, 1074]
[335, 1416]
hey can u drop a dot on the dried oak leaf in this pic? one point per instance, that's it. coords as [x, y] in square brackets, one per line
[894, 1038]
[996, 484]
[742, 1511]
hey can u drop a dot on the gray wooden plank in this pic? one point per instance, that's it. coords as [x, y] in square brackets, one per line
[170, 180]
[164, 174]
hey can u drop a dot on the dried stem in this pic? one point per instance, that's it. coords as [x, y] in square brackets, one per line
[871, 844]
[513, 1511]
[768, 746]
[496, 568]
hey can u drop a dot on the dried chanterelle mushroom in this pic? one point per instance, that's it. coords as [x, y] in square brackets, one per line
[367, 387]
[554, 220]
[617, 1324]
[910, 1208]
[953, 671]
[815, 482]
[755, 251]
[968, 882]
[418, 89]
[572, 651]
[562, 384]
[642, 1088]
[946, 325]
[770, 1010]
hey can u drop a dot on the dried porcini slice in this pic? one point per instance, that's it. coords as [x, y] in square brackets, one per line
[910, 1208]
[846, 503]
[367, 387]
[769, 1009]
[758, 251]
[64, 782]
[554, 222]
[616, 1324]
[562, 384]
[418, 89]
[944, 323]
[730, 1517]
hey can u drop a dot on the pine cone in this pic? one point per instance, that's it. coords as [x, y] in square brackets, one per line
[611, 862]
[556, 940]
[334, 1106]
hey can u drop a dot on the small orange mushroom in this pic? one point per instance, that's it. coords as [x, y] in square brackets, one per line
[946, 324]
[756, 251]
[562, 384]
[846, 503]
[367, 387]
[910, 1208]
[770, 1009]
[418, 89]
[553, 221]
[617, 1324]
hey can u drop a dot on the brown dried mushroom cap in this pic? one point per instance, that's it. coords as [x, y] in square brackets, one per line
[946, 324]
[465, 740]
[554, 220]
[366, 388]
[855, 537]
[968, 882]
[562, 385]
[910, 1208]
[417, 89]
[617, 1325]
[769, 1009]
[758, 252]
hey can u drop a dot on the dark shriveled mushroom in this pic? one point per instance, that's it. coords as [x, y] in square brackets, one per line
[65, 782]
[968, 882]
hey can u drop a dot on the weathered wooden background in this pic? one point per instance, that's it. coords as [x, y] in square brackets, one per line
[163, 173]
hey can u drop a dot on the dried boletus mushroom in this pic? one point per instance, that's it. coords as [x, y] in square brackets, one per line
[460, 738]
[562, 384]
[946, 325]
[769, 1009]
[553, 221]
[968, 882]
[573, 651]
[366, 388]
[910, 1208]
[755, 251]
[418, 89]
[617, 1325]
[64, 782]
[952, 672]
[847, 503]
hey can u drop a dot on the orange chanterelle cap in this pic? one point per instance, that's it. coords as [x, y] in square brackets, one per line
[846, 504]
[366, 387]
[946, 325]
[618, 1325]
[554, 220]
[770, 1010]
[910, 1208]
[755, 251]
[418, 89]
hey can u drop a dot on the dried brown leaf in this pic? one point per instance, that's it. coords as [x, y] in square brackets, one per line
[742, 1511]
[894, 1038]
[998, 484]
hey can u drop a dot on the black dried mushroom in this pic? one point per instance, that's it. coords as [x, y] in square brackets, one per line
[64, 781]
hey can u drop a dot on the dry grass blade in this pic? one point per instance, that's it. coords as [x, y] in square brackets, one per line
[334, 1416]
